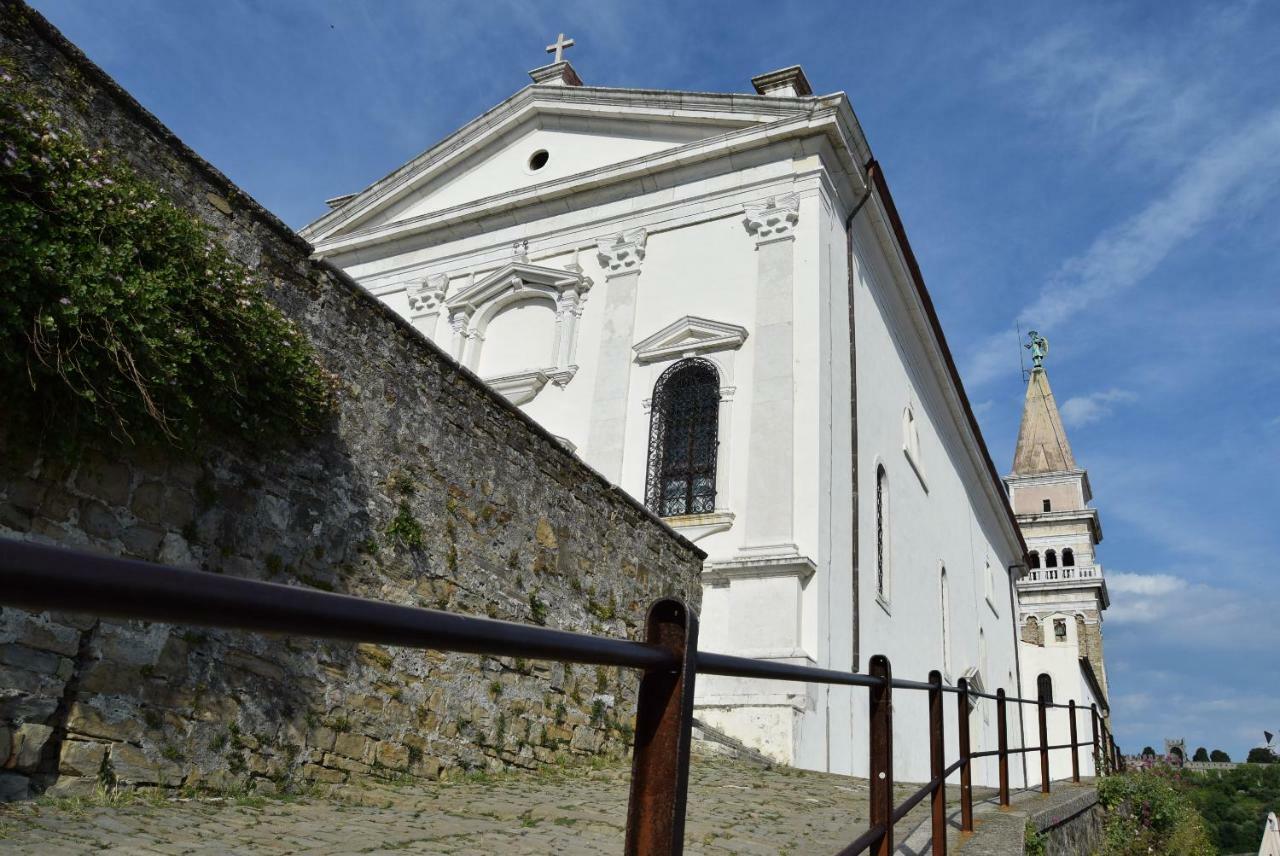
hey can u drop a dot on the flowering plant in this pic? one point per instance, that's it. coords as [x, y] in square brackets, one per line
[120, 312]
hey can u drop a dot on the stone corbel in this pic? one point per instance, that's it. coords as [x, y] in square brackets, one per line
[622, 253]
[775, 219]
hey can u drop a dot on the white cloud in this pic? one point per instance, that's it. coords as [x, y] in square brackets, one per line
[1083, 409]
[1144, 584]
[1149, 115]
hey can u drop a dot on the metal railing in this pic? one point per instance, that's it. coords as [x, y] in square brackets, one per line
[40, 577]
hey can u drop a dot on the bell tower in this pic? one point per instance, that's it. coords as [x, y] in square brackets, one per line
[1050, 496]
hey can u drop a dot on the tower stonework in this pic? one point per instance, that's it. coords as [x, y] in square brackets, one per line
[1050, 495]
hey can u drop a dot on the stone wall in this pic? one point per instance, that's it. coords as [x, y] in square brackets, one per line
[1073, 827]
[428, 490]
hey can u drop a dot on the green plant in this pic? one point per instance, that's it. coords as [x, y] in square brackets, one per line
[404, 528]
[1149, 812]
[121, 313]
[537, 609]
[1034, 841]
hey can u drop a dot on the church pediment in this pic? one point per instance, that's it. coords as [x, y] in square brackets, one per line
[689, 336]
[546, 137]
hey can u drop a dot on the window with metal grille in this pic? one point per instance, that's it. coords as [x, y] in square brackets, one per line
[683, 427]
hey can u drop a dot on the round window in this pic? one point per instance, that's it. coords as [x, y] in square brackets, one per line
[538, 160]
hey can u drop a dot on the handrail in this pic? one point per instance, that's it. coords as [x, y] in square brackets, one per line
[49, 578]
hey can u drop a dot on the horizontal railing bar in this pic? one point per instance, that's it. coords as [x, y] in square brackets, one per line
[912, 801]
[745, 667]
[37, 577]
[863, 841]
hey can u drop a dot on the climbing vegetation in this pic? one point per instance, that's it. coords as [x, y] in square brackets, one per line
[121, 313]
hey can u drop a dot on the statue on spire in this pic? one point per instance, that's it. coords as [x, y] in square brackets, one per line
[1039, 348]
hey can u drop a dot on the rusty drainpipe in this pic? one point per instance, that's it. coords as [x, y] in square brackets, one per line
[870, 166]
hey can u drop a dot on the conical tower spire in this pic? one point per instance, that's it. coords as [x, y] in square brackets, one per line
[1042, 441]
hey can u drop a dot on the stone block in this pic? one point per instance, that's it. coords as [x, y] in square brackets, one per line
[103, 479]
[74, 786]
[14, 787]
[131, 766]
[98, 521]
[322, 738]
[392, 755]
[80, 758]
[353, 746]
[28, 743]
[316, 773]
[88, 722]
[37, 631]
[30, 659]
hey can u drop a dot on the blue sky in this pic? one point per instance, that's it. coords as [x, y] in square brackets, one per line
[1108, 173]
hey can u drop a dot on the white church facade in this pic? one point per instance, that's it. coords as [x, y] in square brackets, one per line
[711, 300]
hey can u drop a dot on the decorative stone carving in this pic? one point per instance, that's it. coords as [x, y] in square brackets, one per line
[425, 297]
[623, 252]
[775, 219]
[472, 308]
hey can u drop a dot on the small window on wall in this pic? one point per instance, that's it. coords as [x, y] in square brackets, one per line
[882, 533]
[911, 441]
[1060, 629]
[1048, 506]
[1044, 688]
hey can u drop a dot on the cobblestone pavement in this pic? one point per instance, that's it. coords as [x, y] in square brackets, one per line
[733, 808]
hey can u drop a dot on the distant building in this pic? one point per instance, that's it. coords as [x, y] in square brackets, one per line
[1063, 594]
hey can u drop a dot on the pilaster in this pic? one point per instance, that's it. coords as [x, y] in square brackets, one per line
[621, 256]
[771, 444]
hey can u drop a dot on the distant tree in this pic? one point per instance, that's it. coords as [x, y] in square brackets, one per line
[1201, 754]
[1220, 756]
[1147, 750]
[1261, 755]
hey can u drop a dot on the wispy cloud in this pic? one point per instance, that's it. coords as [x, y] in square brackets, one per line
[1149, 117]
[1168, 609]
[1084, 409]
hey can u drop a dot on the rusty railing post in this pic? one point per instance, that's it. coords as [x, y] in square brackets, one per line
[1044, 743]
[1075, 750]
[937, 763]
[664, 731]
[966, 768]
[1002, 723]
[880, 722]
[1097, 744]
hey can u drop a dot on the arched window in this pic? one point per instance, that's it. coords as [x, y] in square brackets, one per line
[1068, 558]
[1033, 559]
[683, 425]
[945, 598]
[1044, 688]
[1050, 558]
[882, 532]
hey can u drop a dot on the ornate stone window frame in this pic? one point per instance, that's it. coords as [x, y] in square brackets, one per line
[717, 342]
[474, 307]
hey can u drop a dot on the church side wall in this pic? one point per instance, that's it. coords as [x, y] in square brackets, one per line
[939, 517]
[512, 526]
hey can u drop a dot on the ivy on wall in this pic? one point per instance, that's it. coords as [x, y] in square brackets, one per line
[121, 313]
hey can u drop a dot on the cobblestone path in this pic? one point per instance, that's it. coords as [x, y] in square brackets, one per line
[733, 808]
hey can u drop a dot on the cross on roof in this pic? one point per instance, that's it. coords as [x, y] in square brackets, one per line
[558, 47]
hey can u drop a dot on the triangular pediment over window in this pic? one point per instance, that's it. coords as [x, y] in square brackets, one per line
[689, 336]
